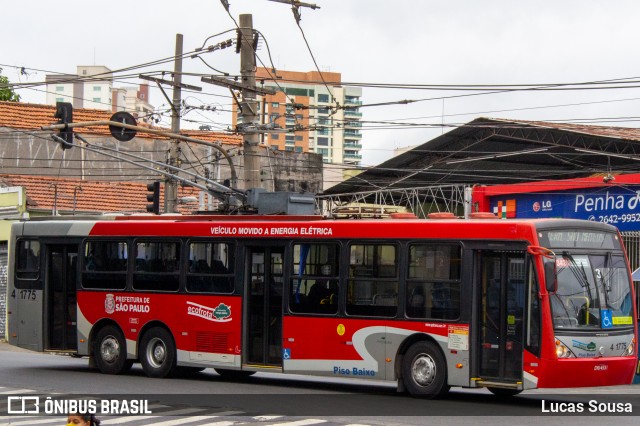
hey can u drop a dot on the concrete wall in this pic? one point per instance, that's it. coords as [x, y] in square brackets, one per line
[35, 153]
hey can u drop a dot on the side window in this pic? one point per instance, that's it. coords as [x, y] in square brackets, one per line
[433, 282]
[314, 279]
[28, 259]
[210, 268]
[104, 264]
[157, 265]
[373, 280]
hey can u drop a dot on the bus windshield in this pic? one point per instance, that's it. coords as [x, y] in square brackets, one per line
[593, 292]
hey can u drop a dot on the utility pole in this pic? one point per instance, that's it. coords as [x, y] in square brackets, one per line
[171, 185]
[249, 105]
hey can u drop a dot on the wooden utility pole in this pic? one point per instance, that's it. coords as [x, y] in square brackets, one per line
[249, 105]
[171, 185]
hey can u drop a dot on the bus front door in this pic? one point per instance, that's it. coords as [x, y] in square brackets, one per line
[60, 297]
[263, 291]
[501, 308]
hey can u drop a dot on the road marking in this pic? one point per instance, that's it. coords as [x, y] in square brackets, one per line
[300, 422]
[16, 391]
[266, 418]
[164, 414]
[40, 421]
[188, 420]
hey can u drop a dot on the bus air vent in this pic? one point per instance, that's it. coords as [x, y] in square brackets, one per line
[211, 342]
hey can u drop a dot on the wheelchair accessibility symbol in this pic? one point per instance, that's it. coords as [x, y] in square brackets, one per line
[286, 353]
[606, 318]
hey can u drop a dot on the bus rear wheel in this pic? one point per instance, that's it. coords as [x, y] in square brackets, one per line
[424, 371]
[110, 351]
[157, 353]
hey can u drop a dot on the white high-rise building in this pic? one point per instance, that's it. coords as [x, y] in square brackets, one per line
[92, 88]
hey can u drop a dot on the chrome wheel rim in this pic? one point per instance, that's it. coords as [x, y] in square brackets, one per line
[423, 369]
[110, 349]
[156, 352]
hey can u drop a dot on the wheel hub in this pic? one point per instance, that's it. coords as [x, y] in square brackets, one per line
[157, 352]
[110, 349]
[423, 369]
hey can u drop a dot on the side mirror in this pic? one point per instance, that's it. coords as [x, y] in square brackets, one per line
[551, 276]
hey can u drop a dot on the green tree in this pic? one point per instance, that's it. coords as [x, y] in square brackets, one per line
[6, 92]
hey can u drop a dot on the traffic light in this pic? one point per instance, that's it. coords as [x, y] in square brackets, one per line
[64, 114]
[153, 197]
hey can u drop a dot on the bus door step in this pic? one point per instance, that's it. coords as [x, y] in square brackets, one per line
[502, 385]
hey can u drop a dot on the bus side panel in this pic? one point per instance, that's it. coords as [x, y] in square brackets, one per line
[365, 348]
[206, 329]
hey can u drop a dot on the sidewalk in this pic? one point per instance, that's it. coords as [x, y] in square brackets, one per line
[6, 347]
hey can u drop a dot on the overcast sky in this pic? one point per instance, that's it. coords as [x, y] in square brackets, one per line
[368, 41]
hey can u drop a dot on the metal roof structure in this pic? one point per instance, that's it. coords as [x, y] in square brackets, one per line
[490, 151]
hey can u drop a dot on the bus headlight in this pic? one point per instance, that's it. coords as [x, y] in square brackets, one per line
[631, 348]
[561, 350]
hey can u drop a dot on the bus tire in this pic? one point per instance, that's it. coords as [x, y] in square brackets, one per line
[504, 393]
[157, 353]
[424, 371]
[110, 351]
[234, 374]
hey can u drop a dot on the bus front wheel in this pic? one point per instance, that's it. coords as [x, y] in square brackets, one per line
[157, 353]
[110, 351]
[424, 370]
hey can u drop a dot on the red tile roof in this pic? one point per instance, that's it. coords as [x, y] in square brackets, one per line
[17, 115]
[90, 196]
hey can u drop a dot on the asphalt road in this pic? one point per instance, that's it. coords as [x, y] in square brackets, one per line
[273, 399]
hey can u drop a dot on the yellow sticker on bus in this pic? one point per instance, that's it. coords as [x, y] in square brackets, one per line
[622, 320]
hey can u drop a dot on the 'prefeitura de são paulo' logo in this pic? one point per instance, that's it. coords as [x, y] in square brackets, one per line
[109, 304]
[221, 313]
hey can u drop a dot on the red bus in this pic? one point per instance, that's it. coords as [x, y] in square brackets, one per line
[506, 305]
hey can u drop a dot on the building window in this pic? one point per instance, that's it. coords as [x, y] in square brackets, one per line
[59, 88]
[288, 148]
[97, 88]
[298, 149]
[323, 141]
[298, 138]
[96, 100]
[59, 99]
[275, 104]
[323, 98]
[275, 136]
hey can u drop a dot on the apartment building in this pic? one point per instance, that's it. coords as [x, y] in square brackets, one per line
[92, 88]
[304, 114]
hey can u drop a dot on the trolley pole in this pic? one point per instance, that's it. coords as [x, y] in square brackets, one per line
[171, 185]
[249, 105]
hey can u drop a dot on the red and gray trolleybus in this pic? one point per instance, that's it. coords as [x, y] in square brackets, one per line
[507, 305]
